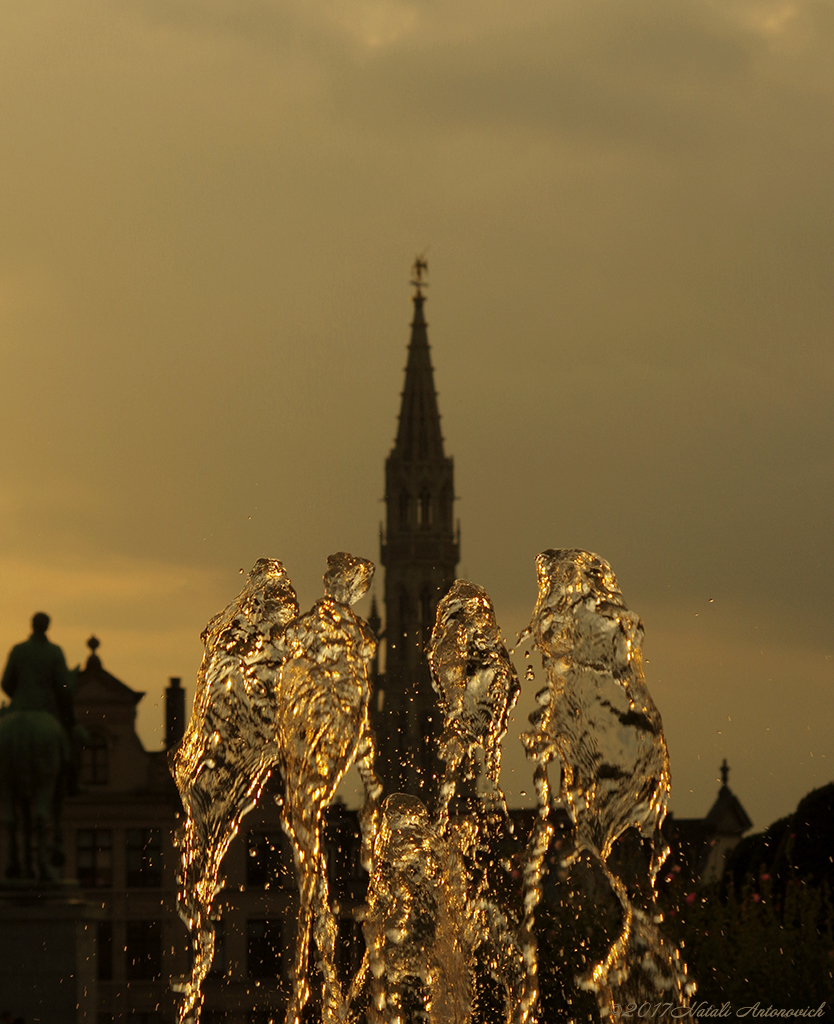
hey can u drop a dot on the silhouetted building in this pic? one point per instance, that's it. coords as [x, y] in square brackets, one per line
[118, 834]
[700, 847]
[119, 837]
[420, 551]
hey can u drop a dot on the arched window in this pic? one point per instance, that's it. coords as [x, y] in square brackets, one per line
[425, 507]
[405, 501]
[446, 505]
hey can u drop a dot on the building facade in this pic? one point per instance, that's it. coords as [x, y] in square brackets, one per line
[701, 847]
[120, 839]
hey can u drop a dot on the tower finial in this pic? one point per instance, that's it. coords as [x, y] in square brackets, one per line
[419, 270]
[725, 772]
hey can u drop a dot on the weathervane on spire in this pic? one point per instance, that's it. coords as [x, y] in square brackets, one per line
[725, 772]
[419, 270]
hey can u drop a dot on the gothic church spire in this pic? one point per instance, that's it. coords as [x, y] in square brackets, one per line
[420, 555]
[418, 435]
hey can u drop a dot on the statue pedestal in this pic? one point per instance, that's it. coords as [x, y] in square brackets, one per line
[47, 953]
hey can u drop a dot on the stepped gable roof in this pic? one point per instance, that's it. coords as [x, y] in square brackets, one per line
[96, 683]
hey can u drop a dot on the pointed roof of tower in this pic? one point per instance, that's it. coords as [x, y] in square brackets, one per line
[418, 435]
[726, 815]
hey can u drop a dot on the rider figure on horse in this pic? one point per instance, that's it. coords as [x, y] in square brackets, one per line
[36, 748]
[36, 676]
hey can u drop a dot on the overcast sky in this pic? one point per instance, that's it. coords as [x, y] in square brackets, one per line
[208, 211]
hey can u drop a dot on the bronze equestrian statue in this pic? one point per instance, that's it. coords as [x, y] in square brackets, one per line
[36, 757]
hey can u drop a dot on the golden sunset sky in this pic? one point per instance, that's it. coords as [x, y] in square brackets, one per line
[208, 213]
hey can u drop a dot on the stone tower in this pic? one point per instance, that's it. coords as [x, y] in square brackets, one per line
[420, 552]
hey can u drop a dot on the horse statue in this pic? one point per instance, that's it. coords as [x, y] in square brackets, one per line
[35, 753]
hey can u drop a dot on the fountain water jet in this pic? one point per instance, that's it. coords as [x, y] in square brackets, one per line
[229, 748]
[597, 718]
[279, 690]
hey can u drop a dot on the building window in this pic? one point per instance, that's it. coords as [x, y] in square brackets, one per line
[269, 861]
[95, 761]
[263, 949]
[104, 951]
[405, 501]
[94, 858]
[446, 505]
[425, 509]
[143, 946]
[144, 858]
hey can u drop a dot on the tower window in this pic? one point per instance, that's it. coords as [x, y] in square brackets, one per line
[425, 508]
[446, 505]
[405, 501]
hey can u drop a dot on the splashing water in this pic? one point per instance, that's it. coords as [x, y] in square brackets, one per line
[478, 688]
[229, 749]
[279, 690]
[596, 716]
[323, 727]
[276, 690]
[417, 930]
